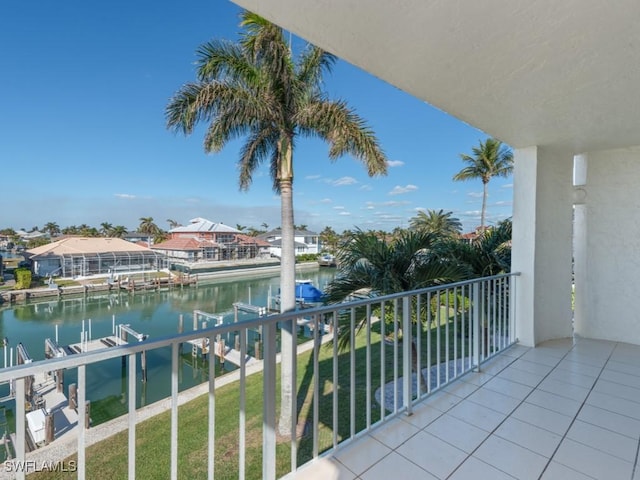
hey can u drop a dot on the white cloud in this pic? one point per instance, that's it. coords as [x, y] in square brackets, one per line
[344, 181]
[507, 185]
[420, 209]
[475, 194]
[366, 188]
[326, 200]
[344, 213]
[398, 190]
[395, 203]
[395, 163]
[312, 177]
[502, 203]
[125, 195]
[338, 207]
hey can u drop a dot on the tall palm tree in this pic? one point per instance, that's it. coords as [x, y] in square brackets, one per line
[51, 228]
[147, 226]
[256, 88]
[119, 231]
[440, 223]
[172, 224]
[106, 229]
[490, 159]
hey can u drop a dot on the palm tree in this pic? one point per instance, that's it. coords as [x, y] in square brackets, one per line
[409, 262]
[147, 226]
[51, 228]
[440, 223]
[172, 224]
[488, 254]
[490, 159]
[119, 231]
[255, 88]
[106, 229]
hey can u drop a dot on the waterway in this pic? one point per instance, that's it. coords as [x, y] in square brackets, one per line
[155, 314]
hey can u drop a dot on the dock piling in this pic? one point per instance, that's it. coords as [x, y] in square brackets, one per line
[73, 396]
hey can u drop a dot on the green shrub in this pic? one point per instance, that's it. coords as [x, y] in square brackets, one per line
[23, 278]
[307, 257]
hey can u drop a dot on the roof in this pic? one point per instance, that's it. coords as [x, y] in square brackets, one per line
[184, 244]
[249, 240]
[203, 225]
[562, 75]
[86, 245]
[296, 233]
[278, 243]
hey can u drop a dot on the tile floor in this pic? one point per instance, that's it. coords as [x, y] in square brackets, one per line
[559, 411]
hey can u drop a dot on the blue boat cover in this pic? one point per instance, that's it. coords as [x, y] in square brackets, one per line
[308, 292]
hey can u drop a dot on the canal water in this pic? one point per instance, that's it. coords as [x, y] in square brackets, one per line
[155, 314]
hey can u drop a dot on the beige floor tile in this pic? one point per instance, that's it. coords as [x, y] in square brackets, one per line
[361, 454]
[620, 377]
[563, 405]
[617, 390]
[543, 418]
[611, 421]
[322, 469]
[557, 471]
[477, 415]
[520, 376]
[509, 388]
[572, 378]
[564, 389]
[614, 404]
[532, 367]
[536, 439]
[423, 415]
[394, 433]
[511, 458]
[458, 433]
[475, 469]
[394, 465]
[461, 388]
[591, 461]
[494, 400]
[434, 455]
[605, 440]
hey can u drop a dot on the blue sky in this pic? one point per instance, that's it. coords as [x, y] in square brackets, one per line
[83, 138]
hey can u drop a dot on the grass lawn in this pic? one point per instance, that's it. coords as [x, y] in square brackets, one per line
[108, 459]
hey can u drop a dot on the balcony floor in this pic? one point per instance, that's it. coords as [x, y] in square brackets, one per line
[557, 411]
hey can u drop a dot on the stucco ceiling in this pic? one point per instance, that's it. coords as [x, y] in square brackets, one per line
[564, 74]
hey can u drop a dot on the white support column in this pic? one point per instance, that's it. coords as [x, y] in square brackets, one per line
[542, 243]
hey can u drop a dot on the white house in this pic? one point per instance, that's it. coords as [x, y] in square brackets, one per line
[305, 242]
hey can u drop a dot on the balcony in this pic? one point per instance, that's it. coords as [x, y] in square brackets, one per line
[561, 410]
[480, 405]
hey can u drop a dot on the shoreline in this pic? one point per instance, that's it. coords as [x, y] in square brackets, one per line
[12, 297]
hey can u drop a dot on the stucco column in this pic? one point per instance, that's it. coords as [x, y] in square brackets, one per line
[542, 243]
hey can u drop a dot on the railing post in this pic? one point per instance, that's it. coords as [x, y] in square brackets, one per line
[21, 430]
[269, 403]
[406, 356]
[476, 325]
[511, 298]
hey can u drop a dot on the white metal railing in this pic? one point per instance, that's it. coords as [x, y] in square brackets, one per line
[381, 355]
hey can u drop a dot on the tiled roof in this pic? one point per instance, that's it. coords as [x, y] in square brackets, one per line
[184, 244]
[249, 240]
[80, 245]
[203, 225]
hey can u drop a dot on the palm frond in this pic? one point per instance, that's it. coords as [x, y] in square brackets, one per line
[344, 130]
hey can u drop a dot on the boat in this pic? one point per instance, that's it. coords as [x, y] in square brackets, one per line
[306, 292]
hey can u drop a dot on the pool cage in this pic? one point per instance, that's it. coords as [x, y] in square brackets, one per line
[84, 264]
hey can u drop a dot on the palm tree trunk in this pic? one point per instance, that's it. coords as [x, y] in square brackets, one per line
[485, 189]
[287, 303]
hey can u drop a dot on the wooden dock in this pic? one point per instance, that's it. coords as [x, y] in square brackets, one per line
[223, 352]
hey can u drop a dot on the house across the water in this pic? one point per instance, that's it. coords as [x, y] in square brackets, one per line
[204, 240]
[84, 256]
